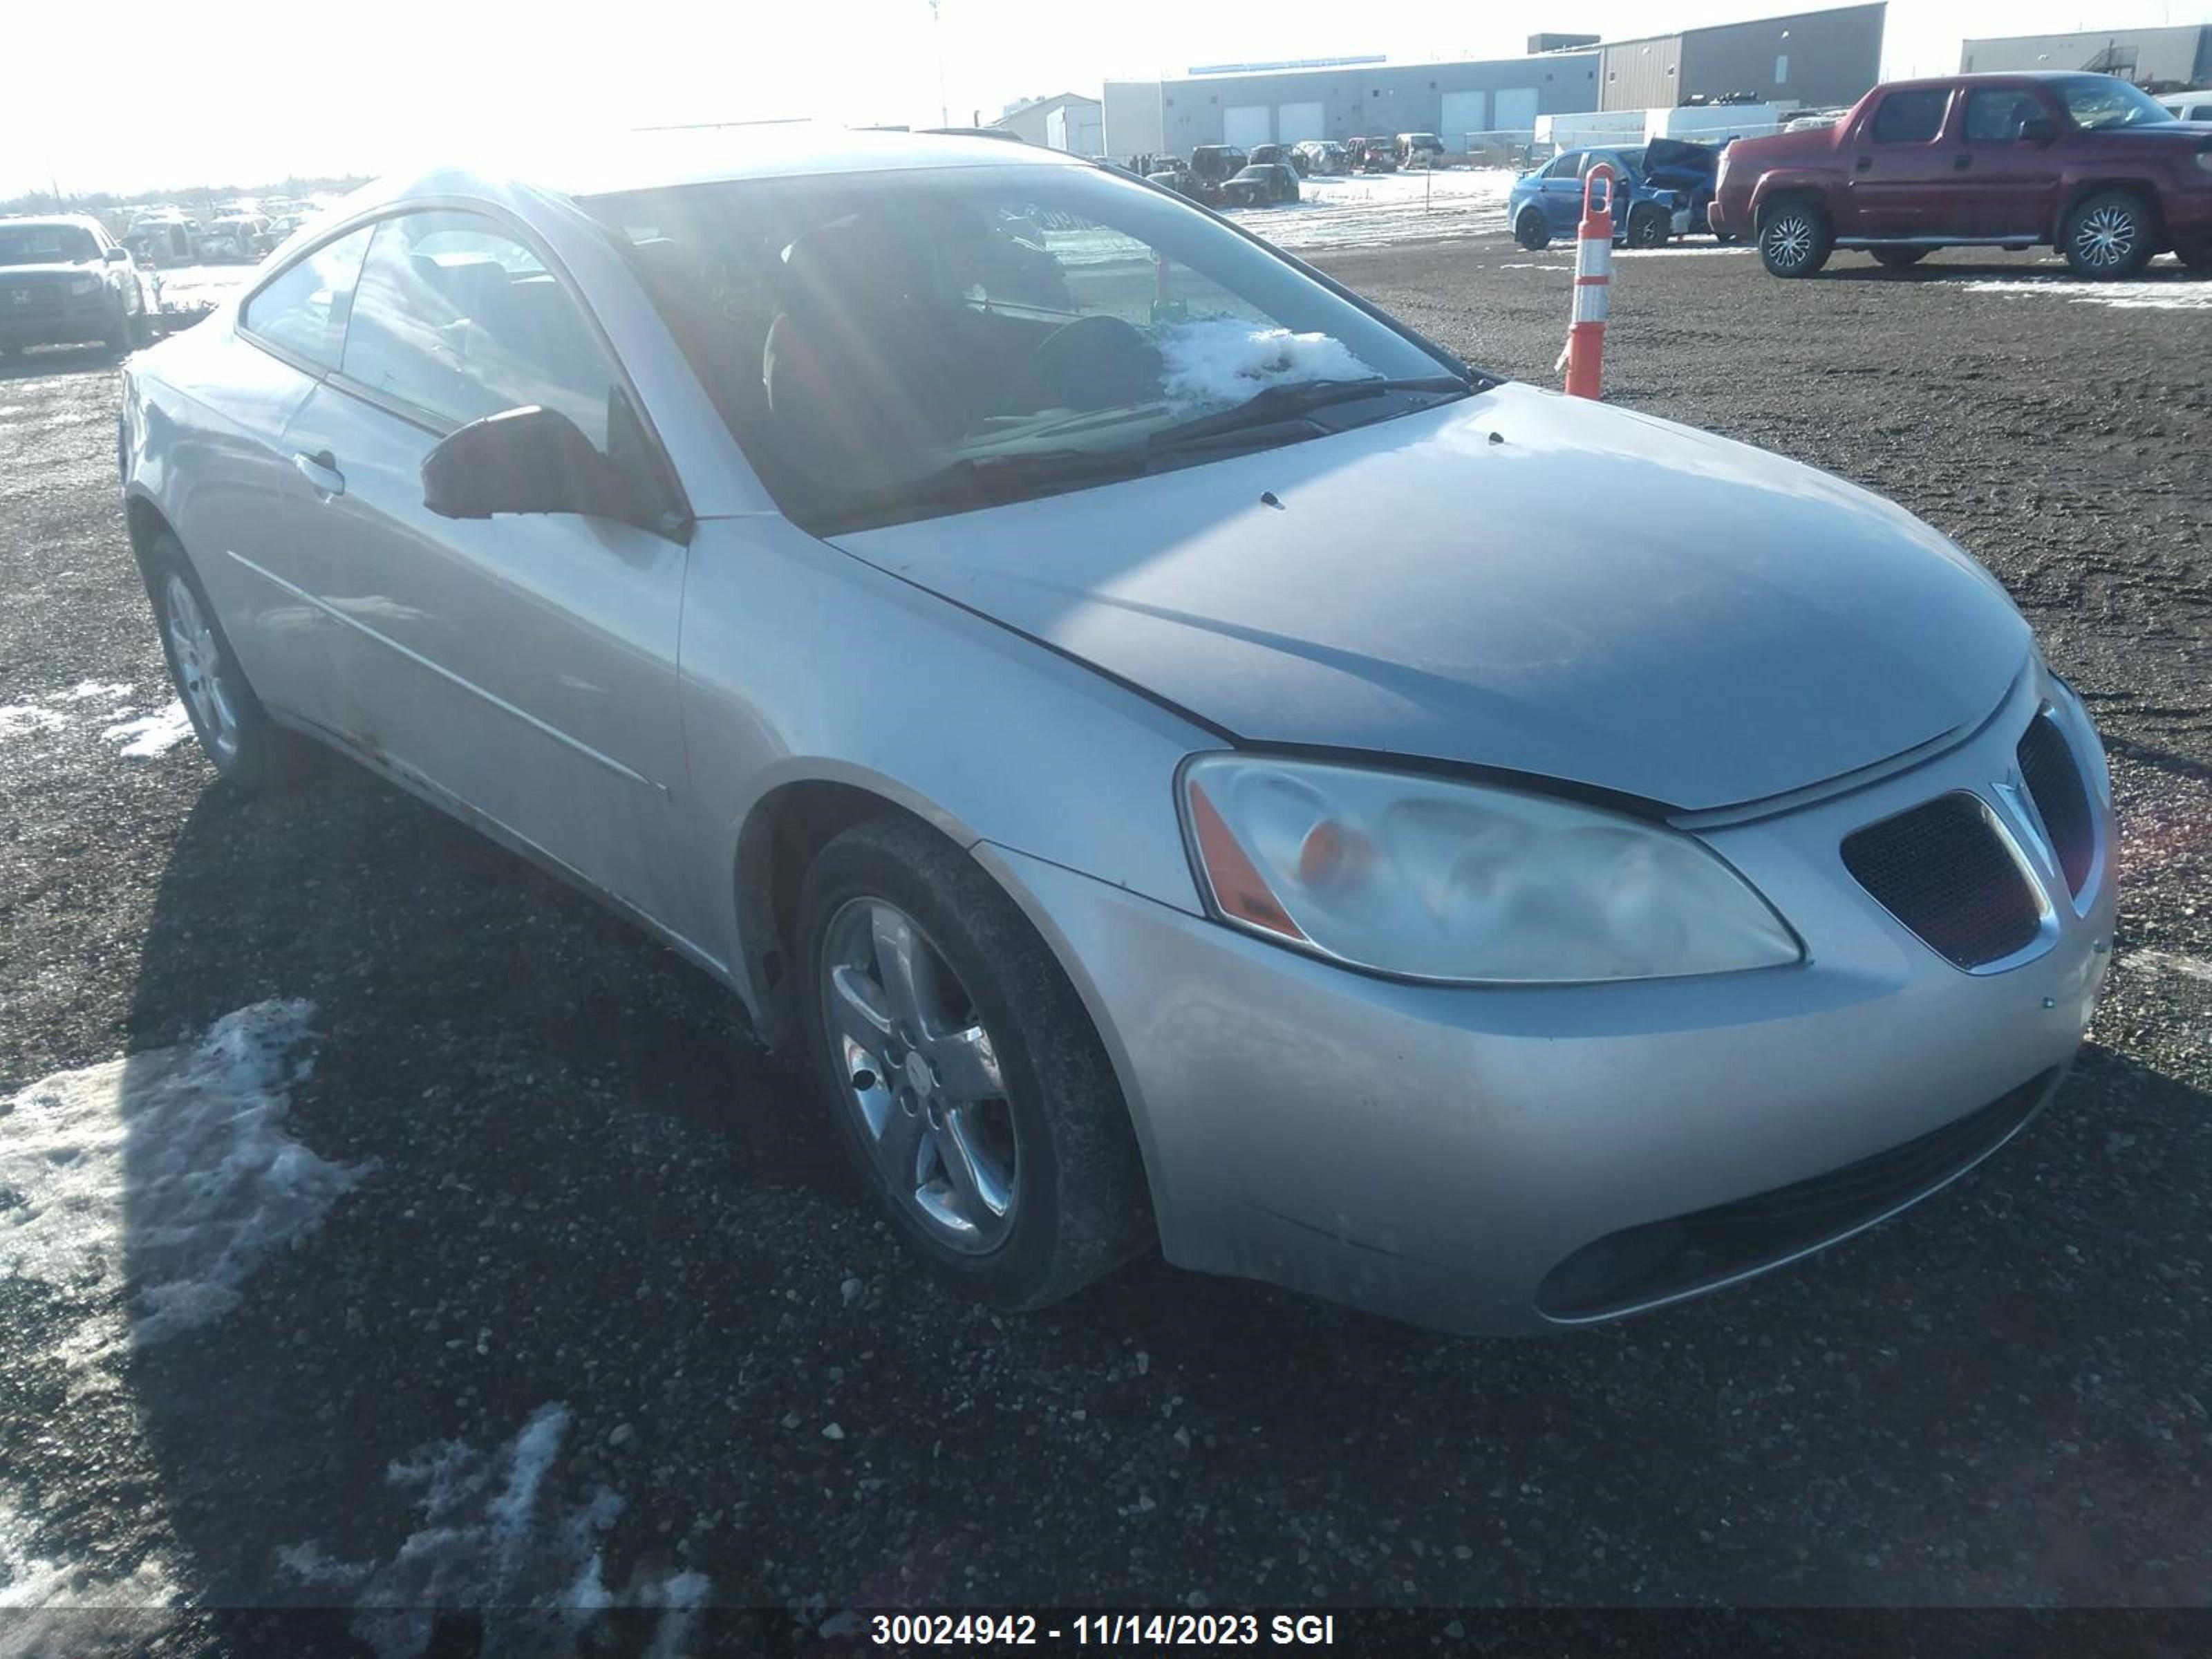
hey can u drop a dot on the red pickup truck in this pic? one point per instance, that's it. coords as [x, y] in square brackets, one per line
[2088, 162]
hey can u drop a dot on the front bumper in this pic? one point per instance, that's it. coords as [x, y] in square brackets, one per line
[77, 322]
[1476, 1159]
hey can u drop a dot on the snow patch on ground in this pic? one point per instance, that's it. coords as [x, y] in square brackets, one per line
[1366, 212]
[48, 1607]
[2169, 295]
[106, 704]
[496, 1535]
[19, 719]
[161, 1181]
[1223, 361]
[151, 735]
[2168, 962]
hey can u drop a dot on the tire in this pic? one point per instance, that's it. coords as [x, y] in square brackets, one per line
[1044, 1129]
[142, 332]
[1900, 258]
[1795, 239]
[118, 332]
[2197, 256]
[251, 753]
[2108, 235]
[1650, 227]
[1530, 230]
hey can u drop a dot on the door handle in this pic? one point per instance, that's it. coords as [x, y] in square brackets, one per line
[1865, 163]
[320, 469]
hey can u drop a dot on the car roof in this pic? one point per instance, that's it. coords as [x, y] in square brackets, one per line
[623, 162]
[81, 220]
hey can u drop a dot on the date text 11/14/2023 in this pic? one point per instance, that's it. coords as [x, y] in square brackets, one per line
[1103, 1630]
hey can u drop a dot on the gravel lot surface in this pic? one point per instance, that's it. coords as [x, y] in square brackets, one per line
[591, 1308]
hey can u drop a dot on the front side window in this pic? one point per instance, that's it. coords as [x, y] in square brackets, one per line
[1567, 167]
[1911, 117]
[303, 309]
[458, 318]
[2001, 117]
[46, 245]
[2098, 101]
[875, 337]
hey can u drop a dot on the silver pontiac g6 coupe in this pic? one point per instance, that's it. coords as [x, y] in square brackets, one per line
[1144, 721]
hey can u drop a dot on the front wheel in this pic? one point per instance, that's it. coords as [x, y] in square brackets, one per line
[1794, 239]
[250, 750]
[2107, 236]
[963, 1075]
[1530, 230]
[1898, 259]
[1649, 228]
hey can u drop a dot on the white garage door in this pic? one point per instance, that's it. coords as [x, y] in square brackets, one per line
[1245, 124]
[1295, 123]
[1516, 109]
[1464, 112]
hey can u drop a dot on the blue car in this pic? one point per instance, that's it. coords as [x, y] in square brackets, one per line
[1664, 188]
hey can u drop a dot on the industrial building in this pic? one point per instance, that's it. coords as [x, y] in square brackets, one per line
[2172, 59]
[1283, 107]
[1066, 121]
[1811, 59]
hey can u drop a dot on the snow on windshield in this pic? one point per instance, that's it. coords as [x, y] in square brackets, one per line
[1225, 359]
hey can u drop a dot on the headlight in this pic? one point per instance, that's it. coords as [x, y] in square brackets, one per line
[82, 285]
[1441, 880]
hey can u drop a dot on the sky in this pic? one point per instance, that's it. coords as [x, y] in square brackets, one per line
[130, 96]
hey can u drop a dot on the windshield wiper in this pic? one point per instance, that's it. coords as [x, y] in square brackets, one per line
[1276, 403]
[989, 480]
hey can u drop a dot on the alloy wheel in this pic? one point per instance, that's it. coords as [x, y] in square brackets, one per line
[921, 1076]
[1789, 239]
[198, 661]
[2106, 237]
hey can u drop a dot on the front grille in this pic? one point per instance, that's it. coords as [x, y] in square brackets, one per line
[30, 300]
[2047, 762]
[1639, 1265]
[1943, 869]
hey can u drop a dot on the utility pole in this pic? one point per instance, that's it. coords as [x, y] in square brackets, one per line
[937, 34]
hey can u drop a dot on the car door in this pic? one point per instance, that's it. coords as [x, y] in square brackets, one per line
[526, 664]
[1560, 191]
[1900, 167]
[247, 518]
[2005, 181]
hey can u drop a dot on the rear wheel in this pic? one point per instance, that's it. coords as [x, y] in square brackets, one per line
[2107, 235]
[249, 749]
[963, 1075]
[1530, 230]
[1795, 239]
[1896, 259]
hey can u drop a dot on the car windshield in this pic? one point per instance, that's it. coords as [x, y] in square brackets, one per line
[2098, 102]
[867, 335]
[46, 245]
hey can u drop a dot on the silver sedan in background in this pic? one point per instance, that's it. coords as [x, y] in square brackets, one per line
[1194, 762]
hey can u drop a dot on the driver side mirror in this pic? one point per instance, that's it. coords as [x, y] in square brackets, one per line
[116, 256]
[530, 460]
[2039, 130]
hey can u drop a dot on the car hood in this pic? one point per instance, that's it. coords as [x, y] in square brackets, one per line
[1516, 580]
[51, 273]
